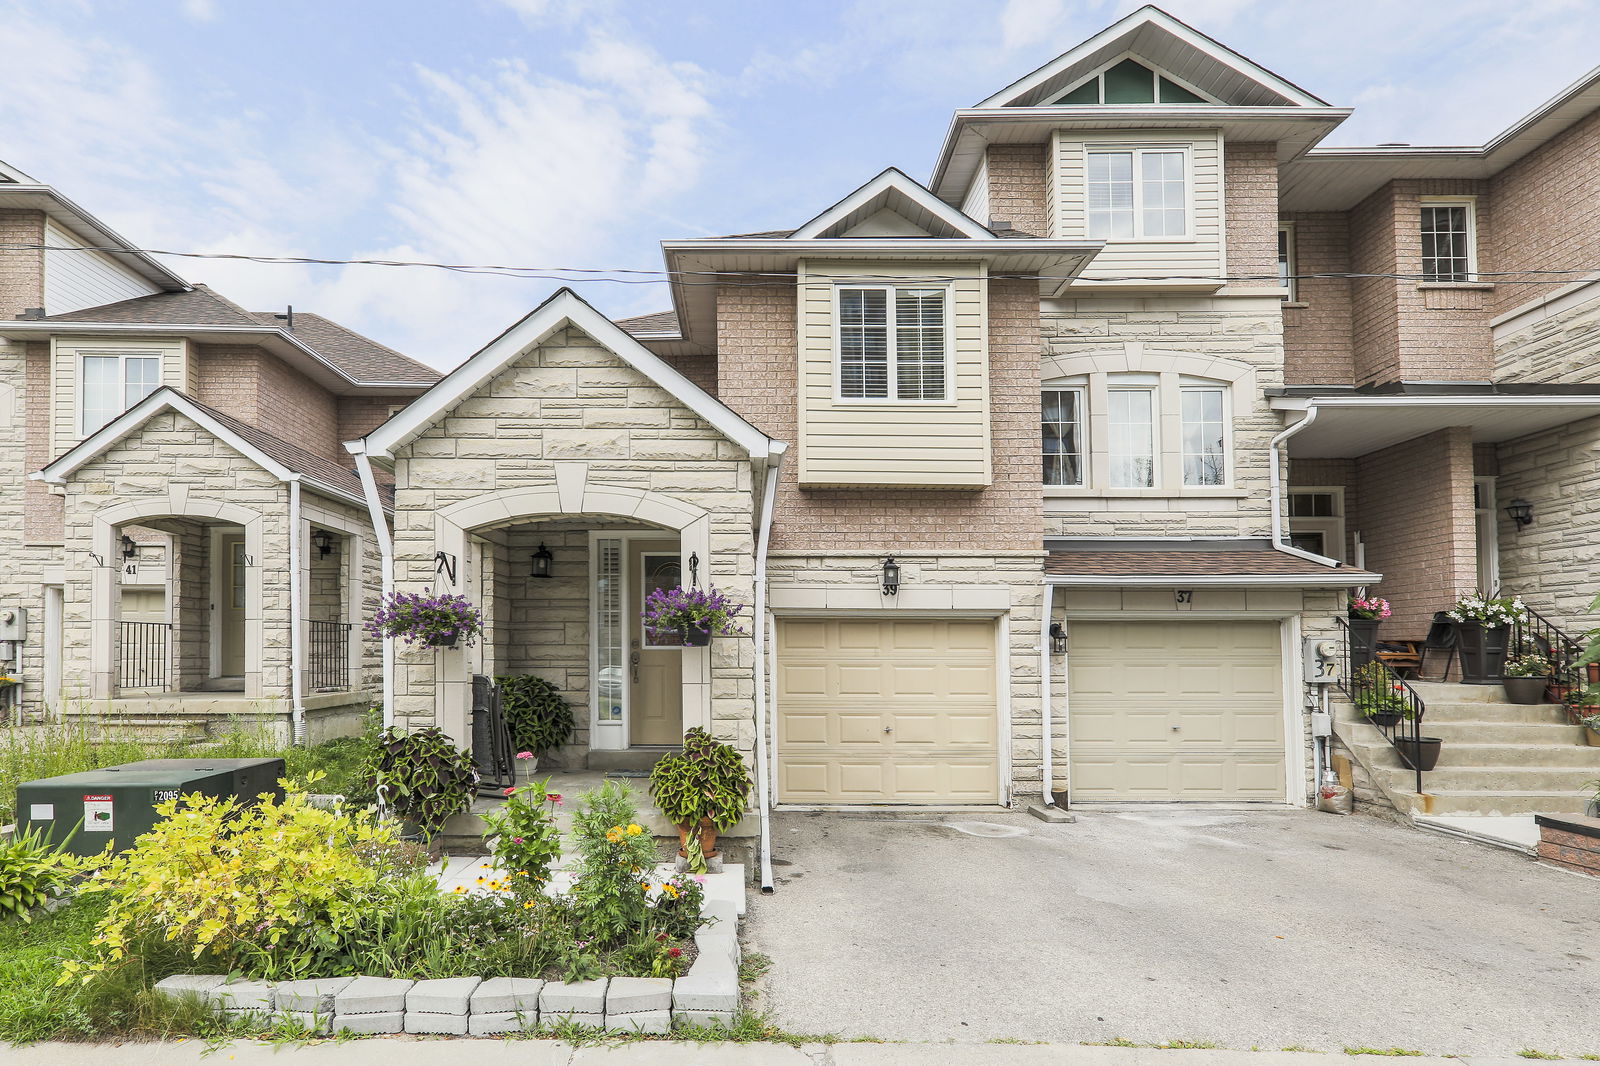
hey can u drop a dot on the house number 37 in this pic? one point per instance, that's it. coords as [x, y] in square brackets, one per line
[1183, 595]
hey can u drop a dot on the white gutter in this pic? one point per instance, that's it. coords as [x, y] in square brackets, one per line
[1047, 770]
[296, 617]
[1275, 469]
[380, 529]
[764, 764]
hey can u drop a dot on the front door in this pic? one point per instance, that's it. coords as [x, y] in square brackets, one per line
[655, 659]
[228, 605]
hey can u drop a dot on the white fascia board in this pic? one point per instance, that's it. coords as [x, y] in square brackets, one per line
[1333, 579]
[1216, 51]
[896, 180]
[563, 308]
[1301, 403]
[86, 225]
[162, 399]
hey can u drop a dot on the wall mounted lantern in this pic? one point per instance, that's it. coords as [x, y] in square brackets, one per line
[1058, 639]
[130, 550]
[1521, 512]
[324, 542]
[891, 576]
[541, 562]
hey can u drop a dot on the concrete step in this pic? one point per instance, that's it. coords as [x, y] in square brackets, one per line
[1507, 803]
[1461, 711]
[1492, 779]
[633, 759]
[1452, 692]
[1464, 754]
[159, 728]
[1535, 733]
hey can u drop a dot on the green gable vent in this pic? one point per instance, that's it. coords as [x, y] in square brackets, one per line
[1129, 82]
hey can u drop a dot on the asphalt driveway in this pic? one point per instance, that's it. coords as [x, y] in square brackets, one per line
[1261, 929]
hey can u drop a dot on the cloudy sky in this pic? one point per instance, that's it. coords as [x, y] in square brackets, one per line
[581, 132]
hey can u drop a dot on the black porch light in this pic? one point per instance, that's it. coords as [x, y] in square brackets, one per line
[891, 576]
[324, 542]
[1058, 639]
[1521, 512]
[541, 562]
[129, 548]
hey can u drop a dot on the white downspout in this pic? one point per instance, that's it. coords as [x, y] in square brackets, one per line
[296, 617]
[769, 491]
[1275, 472]
[380, 529]
[1046, 728]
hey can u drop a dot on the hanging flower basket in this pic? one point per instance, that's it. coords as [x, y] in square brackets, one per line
[427, 620]
[695, 614]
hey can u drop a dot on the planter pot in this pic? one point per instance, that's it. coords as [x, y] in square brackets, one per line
[694, 637]
[1421, 753]
[708, 839]
[524, 770]
[445, 640]
[1385, 719]
[1593, 672]
[1483, 652]
[1363, 641]
[1591, 737]
[1556, 692]
[1525, 689]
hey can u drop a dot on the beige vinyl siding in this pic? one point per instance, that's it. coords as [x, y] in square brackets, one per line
[66, 358]
[887, 442]
[1200, 253]
[976, 205]
[76, 280]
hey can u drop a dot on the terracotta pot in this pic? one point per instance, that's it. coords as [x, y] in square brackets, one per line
[1593, 670]
[1592, 737]
[708, 839]
[1556, 692]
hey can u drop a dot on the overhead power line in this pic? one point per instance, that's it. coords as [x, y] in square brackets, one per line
[630, 276]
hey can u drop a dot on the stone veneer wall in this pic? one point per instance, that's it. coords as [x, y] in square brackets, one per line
[1244, 330]
[570, 400]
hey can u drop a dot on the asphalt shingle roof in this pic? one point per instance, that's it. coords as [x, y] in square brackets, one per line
[1264, 562]
[658, 322]
[324, 472]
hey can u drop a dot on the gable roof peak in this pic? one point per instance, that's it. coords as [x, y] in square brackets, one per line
[893, 188]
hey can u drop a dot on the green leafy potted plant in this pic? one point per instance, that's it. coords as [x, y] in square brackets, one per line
[539, 717]
[423, 778]
[702, 790]
[1526, 677]
[427, 620]
[694, 614]
[1379, 697]
[1591, 728]
[1483, 627]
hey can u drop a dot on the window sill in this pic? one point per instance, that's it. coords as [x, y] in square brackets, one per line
[1058, 492]
[1294, 304]
[1471, 286]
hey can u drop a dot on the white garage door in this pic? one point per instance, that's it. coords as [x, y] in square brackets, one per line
[887, 711]
[1176, 711]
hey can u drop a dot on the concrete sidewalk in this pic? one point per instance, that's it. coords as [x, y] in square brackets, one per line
[417, 1052]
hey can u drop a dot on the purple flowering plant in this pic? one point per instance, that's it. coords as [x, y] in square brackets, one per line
[427, 618]
[706, 610]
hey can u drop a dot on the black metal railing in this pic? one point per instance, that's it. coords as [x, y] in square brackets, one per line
[328, 664]
[1387, 701]
[143, 655]
[1537, 635]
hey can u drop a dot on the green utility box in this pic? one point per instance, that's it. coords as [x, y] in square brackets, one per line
[117, 804]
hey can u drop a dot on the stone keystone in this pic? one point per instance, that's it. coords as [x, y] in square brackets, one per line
[574, 997]
[311, 997]
[372, 995]
[448, 995]
[628, 995]
[501, 995]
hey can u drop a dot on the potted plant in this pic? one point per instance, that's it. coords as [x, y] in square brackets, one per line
[1560, 685]
[1591, 728]
[1366, 614]
[1419, 753]
[1380, 697]
[1583, 704]
[539, 717]
[1526, 677]
[423, 778]
[694, 614]
[428, 620]
[1483, 624]
[701, 790]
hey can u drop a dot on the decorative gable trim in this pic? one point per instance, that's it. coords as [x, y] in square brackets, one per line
[892, 185]
[563, 308]
[1017, 93]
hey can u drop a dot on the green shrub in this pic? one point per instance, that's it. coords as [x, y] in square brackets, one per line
[539, 717]
[707, 780]
[526, 838]
[425, 777]
[615, 859]
[31, 870]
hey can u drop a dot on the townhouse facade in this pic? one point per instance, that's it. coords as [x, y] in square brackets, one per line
[186, 542]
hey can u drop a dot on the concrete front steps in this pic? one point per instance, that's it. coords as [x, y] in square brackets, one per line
[1498, 758]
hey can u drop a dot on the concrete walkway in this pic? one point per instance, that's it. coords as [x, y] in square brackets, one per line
[417, 1052]
[1264, 928]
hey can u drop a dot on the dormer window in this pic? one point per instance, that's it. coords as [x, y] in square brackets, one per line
[1129, 82]
[891, 342]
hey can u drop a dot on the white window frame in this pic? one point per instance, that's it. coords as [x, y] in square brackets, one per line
[1221, 388]
[1184, 149]
[1470, 204]
[1152, 390]
[122, 355]
[1287, 267]
[1332, 527]
[892, 399]
[1080, 389]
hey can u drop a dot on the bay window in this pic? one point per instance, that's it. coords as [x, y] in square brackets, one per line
[112, 382]
[892, 343]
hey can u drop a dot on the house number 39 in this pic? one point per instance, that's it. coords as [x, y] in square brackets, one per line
[1183, 595]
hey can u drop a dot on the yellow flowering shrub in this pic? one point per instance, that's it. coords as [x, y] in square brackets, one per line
[238, 883]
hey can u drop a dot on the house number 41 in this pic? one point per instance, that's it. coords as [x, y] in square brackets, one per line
[1184, 595]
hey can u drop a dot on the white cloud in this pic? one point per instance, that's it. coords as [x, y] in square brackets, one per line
[200, 10]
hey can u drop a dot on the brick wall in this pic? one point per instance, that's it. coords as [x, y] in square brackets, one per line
[700, 369]
[1415, 517]
[41, 508]
[1317, 325]
[256, 387]
[1250, 178]
[1323, 473]
[1551, 199]
[360, 415]
[758, 363]
[1017, 187]
[21, 270]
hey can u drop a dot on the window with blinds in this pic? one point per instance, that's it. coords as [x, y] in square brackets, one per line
[913, 334]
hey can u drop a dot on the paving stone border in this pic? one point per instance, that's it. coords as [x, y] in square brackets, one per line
[474, 1006]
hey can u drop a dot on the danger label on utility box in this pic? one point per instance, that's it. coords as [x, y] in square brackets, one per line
[97, 814]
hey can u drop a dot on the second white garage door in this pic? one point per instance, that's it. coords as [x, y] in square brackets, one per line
[887, 711]
[1176, 711]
